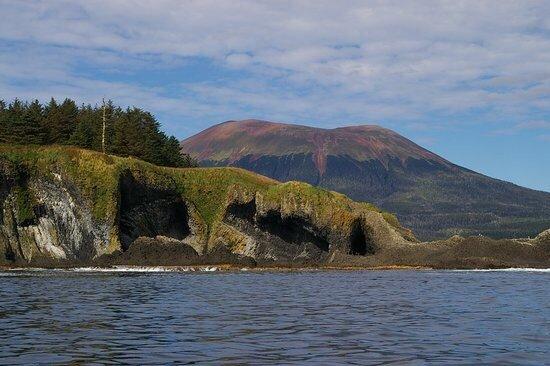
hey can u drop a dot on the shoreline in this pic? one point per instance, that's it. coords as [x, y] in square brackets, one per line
[235, 269]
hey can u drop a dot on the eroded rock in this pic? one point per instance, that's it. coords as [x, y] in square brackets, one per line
[133, 213]
[50, 222]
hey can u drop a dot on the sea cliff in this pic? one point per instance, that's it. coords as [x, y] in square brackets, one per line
[63, 206]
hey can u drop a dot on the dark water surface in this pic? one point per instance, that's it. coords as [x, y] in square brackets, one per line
[324, 317]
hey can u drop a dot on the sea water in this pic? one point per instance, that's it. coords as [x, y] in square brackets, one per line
[156, 316]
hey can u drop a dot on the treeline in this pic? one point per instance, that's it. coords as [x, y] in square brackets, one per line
[129, 132]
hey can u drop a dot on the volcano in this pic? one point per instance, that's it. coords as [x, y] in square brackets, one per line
[428, 193]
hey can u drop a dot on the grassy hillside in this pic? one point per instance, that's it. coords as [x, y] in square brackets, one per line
[97, 177]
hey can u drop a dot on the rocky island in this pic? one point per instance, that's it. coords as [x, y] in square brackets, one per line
[65, 206]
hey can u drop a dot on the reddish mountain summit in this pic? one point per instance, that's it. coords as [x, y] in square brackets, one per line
[429, 194]
[232, 141]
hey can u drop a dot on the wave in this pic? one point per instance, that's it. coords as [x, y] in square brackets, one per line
[144, 269]
[504, 270]
[12, 272]
[114, 269]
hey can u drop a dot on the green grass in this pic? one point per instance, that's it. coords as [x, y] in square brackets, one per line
[207, 188]
[97, 178]
[25, 203]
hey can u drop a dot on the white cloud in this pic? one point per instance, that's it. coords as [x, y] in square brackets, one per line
[534, 125]
[326, 61]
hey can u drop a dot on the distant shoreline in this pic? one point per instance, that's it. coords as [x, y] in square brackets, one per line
[232, 268]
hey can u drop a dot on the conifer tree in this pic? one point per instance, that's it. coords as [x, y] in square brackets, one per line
[50, 121]
[16, 124]
[3, 122]
[34, 131]
[86, 131]
[129, 132]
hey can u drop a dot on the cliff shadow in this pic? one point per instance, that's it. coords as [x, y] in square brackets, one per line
[292, 229]
[147, 211]
[360, 240]
[279, 238]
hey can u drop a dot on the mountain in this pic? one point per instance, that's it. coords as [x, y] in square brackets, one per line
[429, 194]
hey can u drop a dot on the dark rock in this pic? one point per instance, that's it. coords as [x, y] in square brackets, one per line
[159, 251]
[221, 254]
[150, 211]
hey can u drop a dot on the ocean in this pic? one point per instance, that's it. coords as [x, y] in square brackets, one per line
[151, 316]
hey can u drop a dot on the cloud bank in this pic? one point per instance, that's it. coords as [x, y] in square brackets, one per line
[430, 63]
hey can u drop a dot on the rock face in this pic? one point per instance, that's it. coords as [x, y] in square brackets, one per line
[70, 207]
[429, 194]
[45, 219]
[292, 230]
[74, 206]
[458, 252]
[147, 211]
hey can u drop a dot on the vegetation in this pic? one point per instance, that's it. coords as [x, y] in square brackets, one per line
[24, 201]
[97, 176]
[129, 132]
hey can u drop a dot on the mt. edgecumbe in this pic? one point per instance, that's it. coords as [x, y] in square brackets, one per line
[429, 194]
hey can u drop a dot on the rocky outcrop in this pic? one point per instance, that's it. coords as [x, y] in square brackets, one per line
[164, 251]
[460, 253]
[287, 228]
[68, 213]
[71, 207]
[543, 240]
[51, 222]
[291, 231]
[46, 219]
[150, 211]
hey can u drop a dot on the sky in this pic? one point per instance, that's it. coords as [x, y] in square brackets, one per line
[469, 80]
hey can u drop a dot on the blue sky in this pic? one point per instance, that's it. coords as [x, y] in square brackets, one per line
[468, 80]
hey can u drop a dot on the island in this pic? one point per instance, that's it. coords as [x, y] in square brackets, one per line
[64, 206]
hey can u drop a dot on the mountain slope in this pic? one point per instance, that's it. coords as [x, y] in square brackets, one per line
[429, 194]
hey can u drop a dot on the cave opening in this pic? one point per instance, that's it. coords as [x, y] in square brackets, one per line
[242, 211]
[9, 254]
[360, 240]
[292, 229]
[149, 211]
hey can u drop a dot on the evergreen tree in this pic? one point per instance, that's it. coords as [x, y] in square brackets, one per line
[130, 132]
[87, 130]
[34, 130]
[16, 123]
[111, 114]
[50, 121]
[3, 122]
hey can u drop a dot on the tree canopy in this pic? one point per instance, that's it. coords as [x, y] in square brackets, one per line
[129, 132]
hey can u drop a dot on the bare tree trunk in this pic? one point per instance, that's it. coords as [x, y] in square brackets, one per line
[104, 123]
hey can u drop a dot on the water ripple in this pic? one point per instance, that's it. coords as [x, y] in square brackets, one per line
[332, 317]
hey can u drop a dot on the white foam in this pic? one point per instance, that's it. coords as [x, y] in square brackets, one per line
[32, 269]
[119, 269]
[144, 269]
[504, 270]
[129, 269]
[9, 274]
